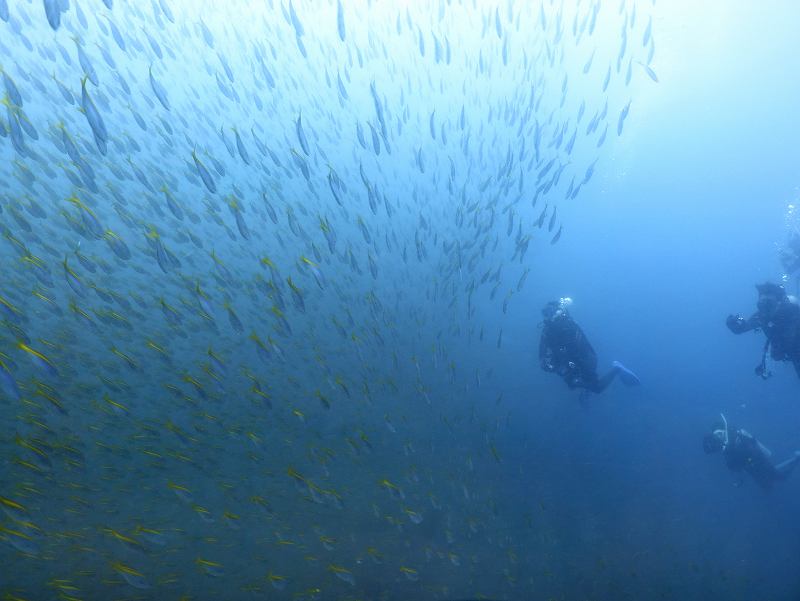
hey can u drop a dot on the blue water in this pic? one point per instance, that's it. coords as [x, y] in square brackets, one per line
[305, 364]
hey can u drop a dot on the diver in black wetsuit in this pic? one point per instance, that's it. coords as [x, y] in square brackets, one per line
[565, 350]
[743, 452]
[778, 316]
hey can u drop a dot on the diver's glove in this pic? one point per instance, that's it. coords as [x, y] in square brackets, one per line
[736, 324]
[762, 371]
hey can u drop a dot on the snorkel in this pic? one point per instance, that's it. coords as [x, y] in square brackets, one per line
[722, 435]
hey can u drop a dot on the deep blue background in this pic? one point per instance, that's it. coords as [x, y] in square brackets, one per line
[687, 218]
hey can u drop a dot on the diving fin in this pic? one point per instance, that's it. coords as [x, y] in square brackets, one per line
[627, 376]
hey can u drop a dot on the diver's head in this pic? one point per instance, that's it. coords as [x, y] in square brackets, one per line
[551, 310]
[770, 296]
[555, 309]
[714, 442]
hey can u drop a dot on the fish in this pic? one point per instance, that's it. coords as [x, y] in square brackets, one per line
[301, 136]
[241, 147]
[341, 88]
[648, 31]
[607, 79]
[117, 35]
[295, 21]
[158, 89]
[8, 384]
[552, 222]
[542, 215]
[623, 114]
[11, 89]
[165, 8]
[256, 271]
[650, 73]
[89, 71]
[44, 364]
[208, 181]
[340, 21]
[94, 119]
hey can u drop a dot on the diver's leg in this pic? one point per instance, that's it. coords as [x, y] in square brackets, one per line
[598, 385]
[783, 469]
[627, 376]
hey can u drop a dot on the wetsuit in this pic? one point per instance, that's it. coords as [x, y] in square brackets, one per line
[782, 329]
[744, 453]
[565, 350]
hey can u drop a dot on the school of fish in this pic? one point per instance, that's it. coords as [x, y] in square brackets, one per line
[254, 258]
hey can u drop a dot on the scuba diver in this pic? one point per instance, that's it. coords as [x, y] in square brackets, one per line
[778, 316]
[742, 451]
[565, 350]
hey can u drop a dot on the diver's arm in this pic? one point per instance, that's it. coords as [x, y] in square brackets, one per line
[739, 325]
